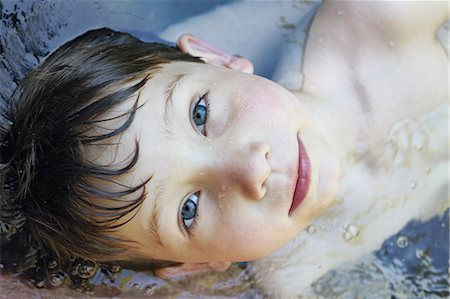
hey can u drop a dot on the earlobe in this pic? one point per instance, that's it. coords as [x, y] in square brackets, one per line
[197, 47]
[191, 268]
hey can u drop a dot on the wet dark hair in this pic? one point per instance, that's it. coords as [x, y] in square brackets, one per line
[53, 117]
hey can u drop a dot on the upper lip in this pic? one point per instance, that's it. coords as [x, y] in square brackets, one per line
[302, 179]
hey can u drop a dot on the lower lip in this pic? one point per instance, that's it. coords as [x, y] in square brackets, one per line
[303, 179]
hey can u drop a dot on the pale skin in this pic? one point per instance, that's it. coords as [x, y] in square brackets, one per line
[244, 169]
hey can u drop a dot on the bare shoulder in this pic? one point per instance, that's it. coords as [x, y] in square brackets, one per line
[384, 51]
[403, 20]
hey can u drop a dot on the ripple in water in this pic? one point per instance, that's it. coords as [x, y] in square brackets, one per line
[411, 264]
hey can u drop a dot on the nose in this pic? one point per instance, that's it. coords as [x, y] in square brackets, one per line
[243, 168]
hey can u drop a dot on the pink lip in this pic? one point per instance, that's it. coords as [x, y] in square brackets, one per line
[303, 178]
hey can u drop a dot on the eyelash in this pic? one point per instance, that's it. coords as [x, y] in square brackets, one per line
[191, 228]
[204, 97]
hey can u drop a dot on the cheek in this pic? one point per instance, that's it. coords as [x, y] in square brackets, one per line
[245, 235]
[261, 109]
[265, 99]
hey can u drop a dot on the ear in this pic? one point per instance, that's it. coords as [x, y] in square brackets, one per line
[191, 268]
[194, 46]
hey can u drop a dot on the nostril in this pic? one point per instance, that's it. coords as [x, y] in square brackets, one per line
[263, 190]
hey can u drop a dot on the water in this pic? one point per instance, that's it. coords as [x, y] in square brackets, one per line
[413, 263]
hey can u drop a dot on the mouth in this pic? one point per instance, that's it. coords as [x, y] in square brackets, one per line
[303, 178]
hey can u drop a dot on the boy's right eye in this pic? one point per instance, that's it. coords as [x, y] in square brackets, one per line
[189, 211]
[200, 114]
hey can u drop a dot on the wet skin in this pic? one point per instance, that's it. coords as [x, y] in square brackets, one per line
[243, 164]
[237, 173]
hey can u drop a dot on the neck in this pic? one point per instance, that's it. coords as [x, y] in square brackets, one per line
[343, 124]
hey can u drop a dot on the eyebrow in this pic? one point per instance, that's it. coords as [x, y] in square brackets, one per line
[169, 108]
[155, 217]
[155, 225]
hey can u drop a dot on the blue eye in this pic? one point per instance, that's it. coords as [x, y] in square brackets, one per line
[189, 210]
[200, 115]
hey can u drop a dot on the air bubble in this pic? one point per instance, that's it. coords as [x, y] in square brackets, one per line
[420, 254]
[340, 12]
[57, 279]
[413, 184]
[311, 229]
[6, 228]
[350, 231]
[87, 269]
[52, 264]
[402, 242]
[150, 289]
[115, 268]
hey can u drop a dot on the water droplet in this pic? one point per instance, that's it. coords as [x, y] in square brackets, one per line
[220, 206]
[87, 269]
[413, 184]
[6, 228]
[419, 147]
[150, 289]
[350, 231]
[428, 169]
[115, 268]
[340, 12]
[402, 242]
[57, 279]
[391, 44]
[52, 264]
[311, 229]
[420, 254]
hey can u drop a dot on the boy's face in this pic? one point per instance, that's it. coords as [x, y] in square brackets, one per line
[225, 196]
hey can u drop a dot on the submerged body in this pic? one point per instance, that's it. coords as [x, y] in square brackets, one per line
[231, 177]
[397, 84]
[378, 91]
[352, 96]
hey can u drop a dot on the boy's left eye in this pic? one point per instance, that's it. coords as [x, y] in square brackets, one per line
[189, 211]
[200, 115]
